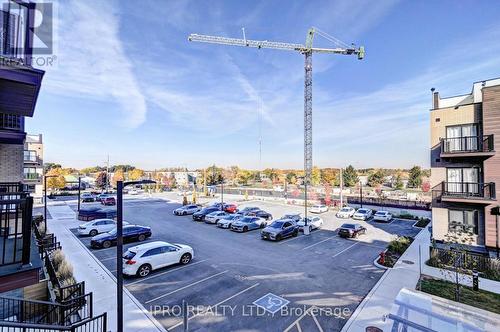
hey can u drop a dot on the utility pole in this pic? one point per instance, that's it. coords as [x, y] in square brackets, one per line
[361, 193]
[107, 175]
[341, 189]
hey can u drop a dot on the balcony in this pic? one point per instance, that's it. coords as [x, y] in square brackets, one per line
[20, 262]
[30, 157]
[32, 176]
[469, 146]
[466, 192]
[19, 81]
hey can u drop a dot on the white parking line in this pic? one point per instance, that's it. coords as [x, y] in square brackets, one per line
[314, 244]
[352, 245]
[216, 305]
[187, 286]
[107, 259]
[160, 274]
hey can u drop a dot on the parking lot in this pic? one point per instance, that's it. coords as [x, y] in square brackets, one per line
[321, 278]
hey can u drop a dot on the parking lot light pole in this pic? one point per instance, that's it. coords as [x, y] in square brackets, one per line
[119, 247]
[79, 191]
[45, 177]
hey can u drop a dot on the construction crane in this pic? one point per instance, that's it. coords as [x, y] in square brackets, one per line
[307, 50]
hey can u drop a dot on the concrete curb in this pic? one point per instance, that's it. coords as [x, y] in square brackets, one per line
[380, 266]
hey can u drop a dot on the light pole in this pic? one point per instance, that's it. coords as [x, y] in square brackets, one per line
[79, 191]
[119, 247]
[45, 177]
[361, 193]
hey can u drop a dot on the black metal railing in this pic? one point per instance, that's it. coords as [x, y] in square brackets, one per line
[67, 293]
[468, 189]
[462, 259]
[467, 144]
[15, 228]
[11, 187]
[66, 313]
[94, 324]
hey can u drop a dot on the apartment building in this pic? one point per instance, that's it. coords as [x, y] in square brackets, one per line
[465, 168]
[33, 166]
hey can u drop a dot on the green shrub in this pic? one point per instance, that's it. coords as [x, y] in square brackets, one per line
[399, 245]
[493, 270]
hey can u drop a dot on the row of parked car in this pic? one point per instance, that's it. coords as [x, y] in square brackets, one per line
[228, 216]
[139, 260]
[364, 214]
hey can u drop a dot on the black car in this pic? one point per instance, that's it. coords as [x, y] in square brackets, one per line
[87, 197]
[248, 209]
[351, 230]
[259, 213]
[200, 215]
[130, 233]
[295, 217]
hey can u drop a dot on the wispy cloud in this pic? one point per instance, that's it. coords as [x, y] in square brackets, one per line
[92, 62]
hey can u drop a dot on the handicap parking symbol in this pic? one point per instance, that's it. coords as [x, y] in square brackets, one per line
[271, 303]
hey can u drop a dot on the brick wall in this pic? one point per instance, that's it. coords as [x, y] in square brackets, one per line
[11, 162]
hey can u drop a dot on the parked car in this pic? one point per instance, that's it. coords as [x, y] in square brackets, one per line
[130, 233]
[319, 208]
[345, 212]
[246, 224]
[214, 217]
[351, 230]
[186, 209]
[230, 208]
[382, 216]
[312, 222]
[227, 221]
[200, 215]
[362, 214]
[248, 209]
[109, 200]
[87, 197]
[88, 214]
[101, 196]
[280, 229]
[295, 217]
[259, 213]
[97, 226]
[144, 258]
[133, 192]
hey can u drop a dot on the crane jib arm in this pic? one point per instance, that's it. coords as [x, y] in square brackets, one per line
[246, 42]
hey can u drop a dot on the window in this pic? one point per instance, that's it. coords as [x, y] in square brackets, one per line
[462, 180]
[30, 173]
[287, 224]
[152, 252]
[169, 249]
[463, 221]
[30, 155]
[462, 138]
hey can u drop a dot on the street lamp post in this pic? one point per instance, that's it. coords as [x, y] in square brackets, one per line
[361, 193]
[119, 247]
[45, 177]
[79, 191]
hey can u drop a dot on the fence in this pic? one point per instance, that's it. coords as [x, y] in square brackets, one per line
[463, 260]
[386, 202]
[66, 313]
[94, 324]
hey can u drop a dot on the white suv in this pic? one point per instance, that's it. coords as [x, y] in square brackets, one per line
[97, 226]
[362, 214]
[144, 258]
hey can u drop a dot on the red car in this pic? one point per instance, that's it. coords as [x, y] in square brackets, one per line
[108, 200]
[230, 208]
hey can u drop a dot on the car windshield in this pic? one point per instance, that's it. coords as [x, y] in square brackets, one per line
[247, 219]
[277, 224]
[129, 255]
[113, 231]
[351, 226]
[381, 213]
[290, 216]
[345, 210]
[362, 211]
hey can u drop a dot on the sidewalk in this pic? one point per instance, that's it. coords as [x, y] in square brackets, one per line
[405, 274]
[98, 279]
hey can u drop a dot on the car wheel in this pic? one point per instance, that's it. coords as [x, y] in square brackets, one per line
[295, 233]
[184, 213]
[310, 229]
[144, 270]
[278, 237]
[262, 225]
[106, 244]
[186, 258]
[245, 229]
[141, 237]
[93, 232]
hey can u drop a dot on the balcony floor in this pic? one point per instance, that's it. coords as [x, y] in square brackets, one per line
[467, 200]
[481, 154]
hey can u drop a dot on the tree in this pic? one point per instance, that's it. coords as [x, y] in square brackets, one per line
[135, 174]
[291, 177]
[315, 176]
[101, 180]
[329, 176]
[56, 179]
[350, 176]
[244, 176]
[398, 181]
[119, 175]
[214, 175]
[49, 166]
[271, 173]
[376, 178]
[125, 168]
[415, 177]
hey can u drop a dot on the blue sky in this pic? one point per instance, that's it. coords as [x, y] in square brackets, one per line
[129, 84]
